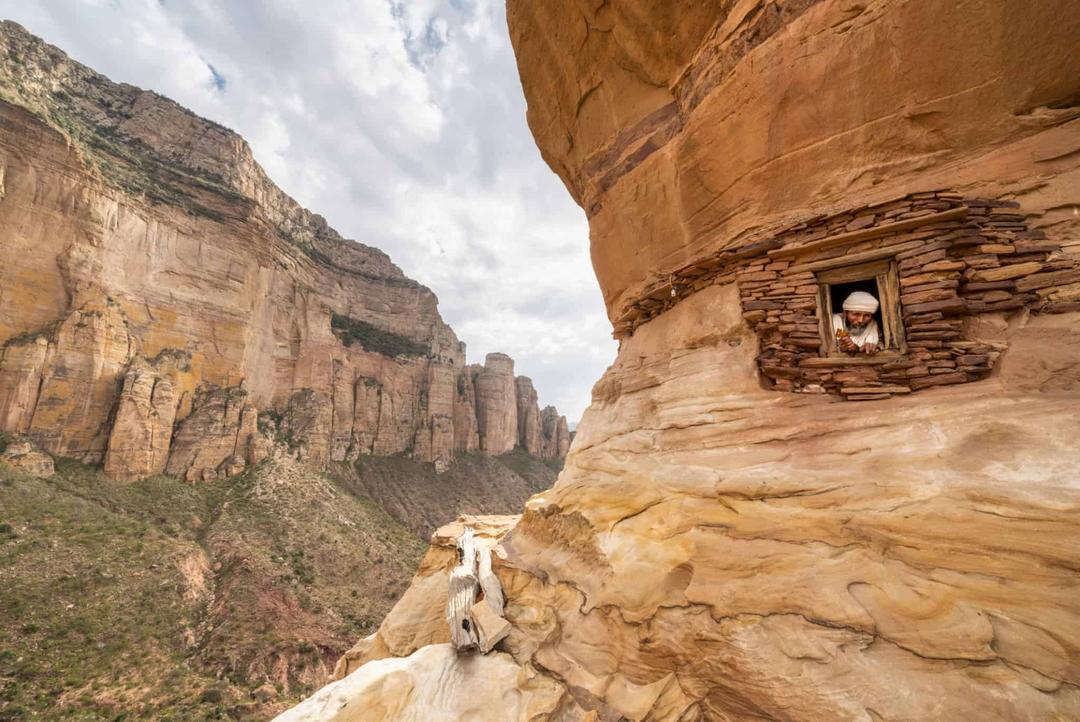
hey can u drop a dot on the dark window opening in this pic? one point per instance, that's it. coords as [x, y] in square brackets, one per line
[840, 291]
[879, 279]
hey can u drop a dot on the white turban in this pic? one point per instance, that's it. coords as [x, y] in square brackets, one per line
[861, 301]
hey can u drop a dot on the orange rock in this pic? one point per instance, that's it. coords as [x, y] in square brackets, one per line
[717, 550]
[132, 228]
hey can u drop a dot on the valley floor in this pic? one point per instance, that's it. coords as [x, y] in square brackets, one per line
[165, 600]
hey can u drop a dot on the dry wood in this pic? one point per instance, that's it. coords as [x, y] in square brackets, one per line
[854, 258]
[472, 574]
[461, 594]
[824, 314]
[859, 272]
[889, 285]
[868, 233]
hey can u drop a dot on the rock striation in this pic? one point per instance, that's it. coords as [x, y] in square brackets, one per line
[166, 308]
[23, 456]
[717, 547]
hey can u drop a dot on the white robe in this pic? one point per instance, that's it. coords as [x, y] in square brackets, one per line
[869, 333]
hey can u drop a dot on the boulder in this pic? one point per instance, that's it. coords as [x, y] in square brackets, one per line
[218, 438]
[23, 456]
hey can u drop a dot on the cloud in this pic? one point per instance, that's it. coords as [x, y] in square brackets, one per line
[400, 121]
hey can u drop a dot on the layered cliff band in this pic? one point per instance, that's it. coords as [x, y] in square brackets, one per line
[856, 330]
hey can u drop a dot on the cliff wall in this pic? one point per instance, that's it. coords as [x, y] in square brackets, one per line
[165, 307]
[717, 547]
[685, 128]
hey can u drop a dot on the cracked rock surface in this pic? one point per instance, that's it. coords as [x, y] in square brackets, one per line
[717, 551]
[750, 555]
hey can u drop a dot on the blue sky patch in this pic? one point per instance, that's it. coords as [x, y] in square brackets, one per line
[218, 80]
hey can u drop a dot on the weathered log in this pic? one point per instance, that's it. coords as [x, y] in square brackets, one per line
[461, 595]
[469, 628]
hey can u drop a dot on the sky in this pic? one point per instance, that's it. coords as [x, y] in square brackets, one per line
[402, 122]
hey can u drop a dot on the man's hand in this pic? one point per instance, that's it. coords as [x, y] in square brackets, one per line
[868, 348]
[847, 345]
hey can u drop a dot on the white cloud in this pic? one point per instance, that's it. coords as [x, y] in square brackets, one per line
[400, 121]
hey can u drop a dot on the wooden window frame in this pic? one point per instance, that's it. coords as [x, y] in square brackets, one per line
[884, 272]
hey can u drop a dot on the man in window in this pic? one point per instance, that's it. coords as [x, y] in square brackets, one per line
[856, 330]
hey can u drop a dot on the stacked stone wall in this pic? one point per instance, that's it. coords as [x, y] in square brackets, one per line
[952, 259]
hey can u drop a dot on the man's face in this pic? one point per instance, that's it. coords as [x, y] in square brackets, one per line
[858, 318]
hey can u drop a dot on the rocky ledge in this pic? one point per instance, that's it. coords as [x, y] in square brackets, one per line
[718, 547]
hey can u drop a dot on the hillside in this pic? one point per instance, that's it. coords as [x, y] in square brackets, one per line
[165, 599]
[419, 499]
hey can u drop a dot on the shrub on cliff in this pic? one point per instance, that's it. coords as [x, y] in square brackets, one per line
[354, 331]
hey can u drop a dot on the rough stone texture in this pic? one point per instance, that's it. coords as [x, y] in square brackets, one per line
[555, 434]
[131, 228]
[925, 258]
[466, 437]
[910, 558]
[419, 617]
[436, 683]
[87, 358]
[23, 456]
[496, 404]
[714, 550]
[528, 416]
[142, 431]
[218, 438]
[697, 114]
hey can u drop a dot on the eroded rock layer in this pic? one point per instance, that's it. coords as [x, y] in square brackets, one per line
[166, 308]
[718, 548]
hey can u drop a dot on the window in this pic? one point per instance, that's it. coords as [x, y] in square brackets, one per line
[878, 278]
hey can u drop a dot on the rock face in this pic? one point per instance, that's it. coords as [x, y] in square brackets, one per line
[218, 437]
[554, 434]
[141, 436]
[23, 456]
[159, 293]
[528, 416]
[718, 548]
[496, 403]
[685, 130]
[435, 683]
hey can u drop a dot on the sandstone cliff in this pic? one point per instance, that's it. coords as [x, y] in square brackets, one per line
[717, 547]
[165, 307]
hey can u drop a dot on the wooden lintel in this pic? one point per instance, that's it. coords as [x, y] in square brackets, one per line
[875, 254]
[868, 233]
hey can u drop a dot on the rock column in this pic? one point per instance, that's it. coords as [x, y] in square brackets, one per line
[496, 404]
[528, 416]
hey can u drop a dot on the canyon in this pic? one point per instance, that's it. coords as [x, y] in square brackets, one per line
[748, 527]
[226, 432]
[165, 308]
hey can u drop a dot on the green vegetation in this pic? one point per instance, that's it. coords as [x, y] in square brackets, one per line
[475, 483]
[125, 161]
[28, 336]
[166, 600]
[354, 331]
